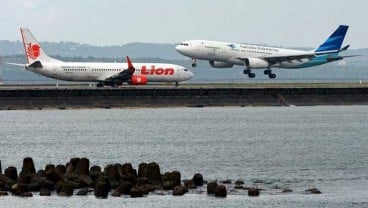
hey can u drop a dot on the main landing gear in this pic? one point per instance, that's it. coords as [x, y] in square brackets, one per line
[269, 73]
[194, 62]
[249, 72]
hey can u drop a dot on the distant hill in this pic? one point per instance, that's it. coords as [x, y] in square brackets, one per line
[72, 49]
[347, 70]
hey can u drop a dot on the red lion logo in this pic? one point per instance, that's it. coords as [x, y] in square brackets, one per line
[33, 51]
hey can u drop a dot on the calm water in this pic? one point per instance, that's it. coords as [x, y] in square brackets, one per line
[296, 147]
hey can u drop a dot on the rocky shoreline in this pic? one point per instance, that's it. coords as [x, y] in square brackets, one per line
[70, 98]
[77, 177]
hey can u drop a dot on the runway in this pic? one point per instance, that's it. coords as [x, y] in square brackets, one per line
[14, 97]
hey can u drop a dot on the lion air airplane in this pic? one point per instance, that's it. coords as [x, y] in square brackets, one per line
[111, 74]
[225, 55]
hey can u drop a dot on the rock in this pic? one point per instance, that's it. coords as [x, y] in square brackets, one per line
[253, 192]
[82, 167]
[60, 170]
[287, 190]
[142, 181]
[176, 178]
[136, 192]
[4, 193]
[26, 194]
[82, 192]
[94, 172]
[47, 184]
[53, 176]
[1, 170]
[227, 181]
[2, 185]
[149, 188]
[127, 169]
[45, 192]
[72, 165]
[24, 178]
[65, 188]
[179, 191]
[85, 180]
[198, 179]
[130, 178]
[113, 175]
[313, 191]
[49, 167]
[7, 182]
[239, 182]
[105, 180]
[168, 185]
[142, 170]
[240, 187]
[11, 172]
[28, 167]
[18, 189]
[116, 194]
[41, 174]
[220, 191]
[101, 190]
[124, 188]
[190, 184]
[153, 173]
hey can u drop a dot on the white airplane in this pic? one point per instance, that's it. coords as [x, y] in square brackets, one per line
[110, 74]
[225, 55]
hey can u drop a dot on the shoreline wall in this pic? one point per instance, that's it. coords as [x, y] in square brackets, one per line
[62, 98]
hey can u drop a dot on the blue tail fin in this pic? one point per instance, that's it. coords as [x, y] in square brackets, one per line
[334, 42]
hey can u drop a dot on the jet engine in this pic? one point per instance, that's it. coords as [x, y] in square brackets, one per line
[220, 64]
[138, 80]
[256, 63]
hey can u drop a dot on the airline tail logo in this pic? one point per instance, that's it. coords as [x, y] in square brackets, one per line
[33, 51]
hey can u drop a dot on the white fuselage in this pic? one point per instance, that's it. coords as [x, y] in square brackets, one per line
[234, 53]
[99, 72]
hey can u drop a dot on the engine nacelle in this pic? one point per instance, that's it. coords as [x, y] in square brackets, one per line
[220, 64]
[256, 63]
[138, 80]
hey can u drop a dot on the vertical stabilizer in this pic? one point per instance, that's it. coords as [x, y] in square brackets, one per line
[334, 42]
[33, 49]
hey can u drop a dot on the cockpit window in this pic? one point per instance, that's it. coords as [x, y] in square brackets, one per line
[185, 70]
[184, 44]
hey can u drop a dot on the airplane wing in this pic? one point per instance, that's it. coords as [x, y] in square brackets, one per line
[124, 75]
[274, 59]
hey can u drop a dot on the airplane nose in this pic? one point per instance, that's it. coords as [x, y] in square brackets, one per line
[190, 75]
[178, 48]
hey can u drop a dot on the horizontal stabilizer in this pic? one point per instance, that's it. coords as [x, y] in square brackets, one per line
[13, 64]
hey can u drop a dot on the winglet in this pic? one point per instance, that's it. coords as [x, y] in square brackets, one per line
[130, 65]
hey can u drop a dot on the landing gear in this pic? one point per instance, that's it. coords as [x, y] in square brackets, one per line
[194, 62]
[249, 72]
[272, 76]
[176, 84]
[269, 73]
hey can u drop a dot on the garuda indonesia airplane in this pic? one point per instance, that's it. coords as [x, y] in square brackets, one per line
[226, 55]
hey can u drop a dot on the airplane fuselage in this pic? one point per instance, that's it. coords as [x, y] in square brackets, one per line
[98, 72]
[233, 53]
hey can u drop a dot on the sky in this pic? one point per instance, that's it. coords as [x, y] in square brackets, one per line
[287, 23]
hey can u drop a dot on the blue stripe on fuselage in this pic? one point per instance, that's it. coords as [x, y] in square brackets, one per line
[318, 60]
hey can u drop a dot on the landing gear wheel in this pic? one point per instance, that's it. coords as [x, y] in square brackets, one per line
[246, 71]
[251, 75]
[194, 62]
[194, 65]
[267, 72]
[272, 76]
